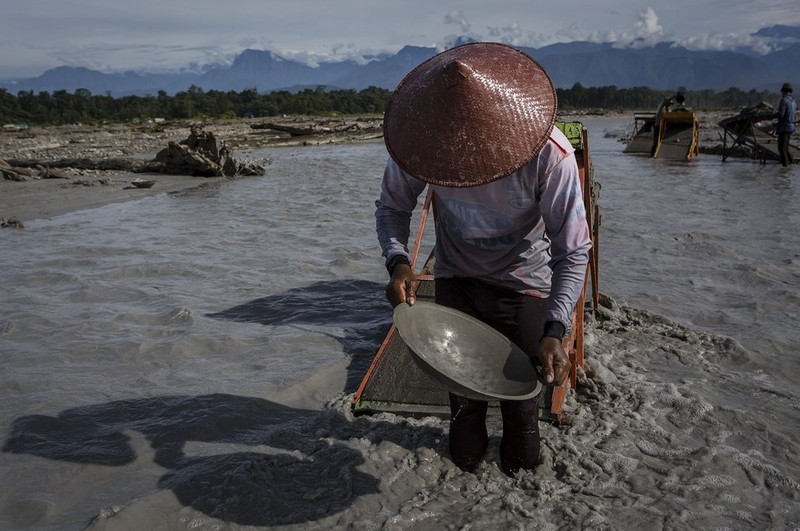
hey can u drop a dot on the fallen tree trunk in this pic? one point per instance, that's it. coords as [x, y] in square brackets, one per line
[81, 163]
[294, 131]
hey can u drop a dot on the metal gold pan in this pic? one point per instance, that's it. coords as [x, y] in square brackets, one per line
[465, 355]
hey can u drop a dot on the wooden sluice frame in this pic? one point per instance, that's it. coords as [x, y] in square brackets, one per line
[745, 133]
[555, 397]
[641, 138]
[678, 136]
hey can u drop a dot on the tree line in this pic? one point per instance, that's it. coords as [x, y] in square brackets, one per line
[62, 107]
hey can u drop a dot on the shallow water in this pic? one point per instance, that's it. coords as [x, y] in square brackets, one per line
[185, 361]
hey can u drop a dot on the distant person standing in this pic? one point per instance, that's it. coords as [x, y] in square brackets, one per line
[680, 99]
[786, 115]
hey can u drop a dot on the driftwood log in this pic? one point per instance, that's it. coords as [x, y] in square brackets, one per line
[324, 128]
[294, 131]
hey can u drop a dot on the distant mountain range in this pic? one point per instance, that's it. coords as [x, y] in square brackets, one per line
[663, 66]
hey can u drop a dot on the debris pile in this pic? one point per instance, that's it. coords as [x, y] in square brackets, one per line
[200, 156]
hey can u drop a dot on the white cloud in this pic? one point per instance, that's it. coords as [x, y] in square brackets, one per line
[570, 32]
[339, 52]
[647, 31]
[458, 18]
[648, 25]
[603, 36]
[726, 42]
[512, 34]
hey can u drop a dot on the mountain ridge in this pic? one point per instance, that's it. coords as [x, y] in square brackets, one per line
[664, 66]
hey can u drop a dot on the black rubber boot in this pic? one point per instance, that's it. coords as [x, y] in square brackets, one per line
[519, 448]
[468, 435]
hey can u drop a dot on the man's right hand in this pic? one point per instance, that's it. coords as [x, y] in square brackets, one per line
[553, 361]
[401, 286]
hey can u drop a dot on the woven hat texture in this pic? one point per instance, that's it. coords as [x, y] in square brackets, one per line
[470, 115]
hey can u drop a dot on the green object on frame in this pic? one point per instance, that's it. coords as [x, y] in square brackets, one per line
[573, 131]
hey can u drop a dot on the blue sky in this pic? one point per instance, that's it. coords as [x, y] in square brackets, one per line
[150, 35]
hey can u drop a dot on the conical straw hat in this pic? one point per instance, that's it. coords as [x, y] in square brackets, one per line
[470, 115]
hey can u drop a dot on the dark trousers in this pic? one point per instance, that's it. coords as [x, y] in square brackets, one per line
[783, 148]
[521, 319]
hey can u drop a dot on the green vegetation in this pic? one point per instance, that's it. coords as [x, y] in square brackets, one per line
[82, 106]
[62, 107]
[644, 99]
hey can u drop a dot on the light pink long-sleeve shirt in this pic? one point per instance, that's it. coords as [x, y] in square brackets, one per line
[526, 231]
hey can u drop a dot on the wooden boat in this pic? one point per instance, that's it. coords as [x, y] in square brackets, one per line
[678, 135]
[393, 382]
